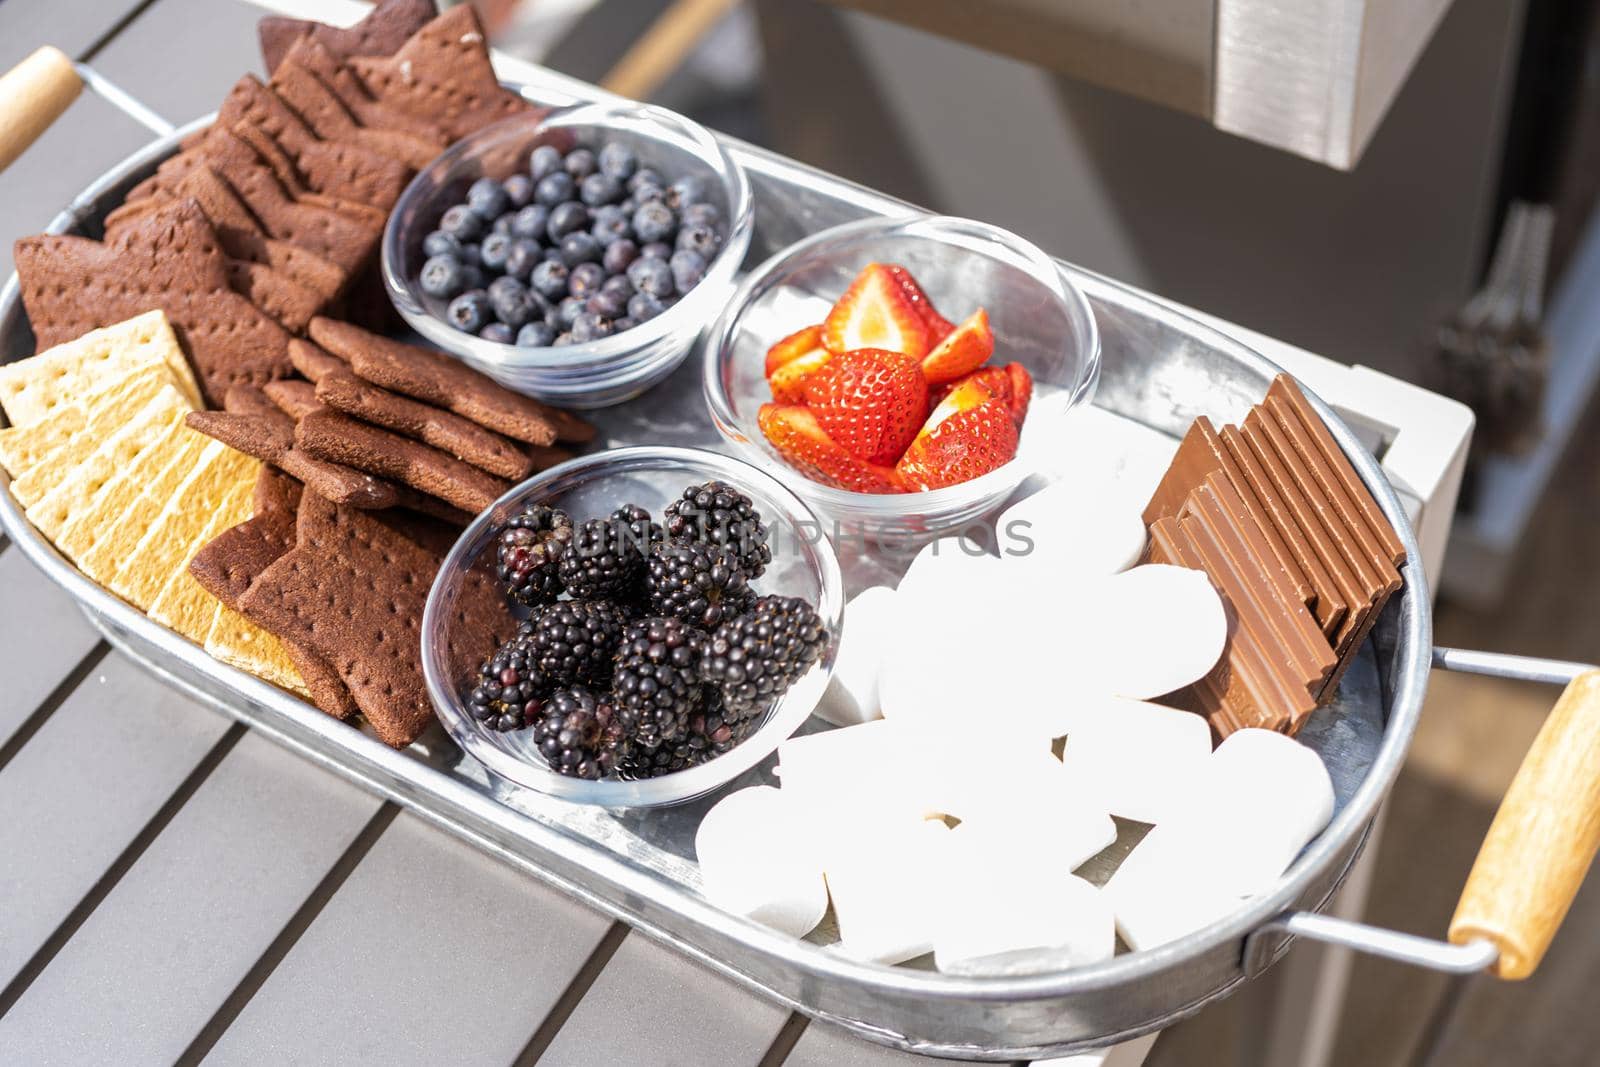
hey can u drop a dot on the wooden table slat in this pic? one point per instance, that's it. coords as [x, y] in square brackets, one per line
[429, 953]
[216, 40]
[80, 791]
[653, 1006]
[43, 636]
[70, 25]
[160, 954]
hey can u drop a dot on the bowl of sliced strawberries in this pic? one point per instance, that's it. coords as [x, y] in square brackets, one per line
[905, 373]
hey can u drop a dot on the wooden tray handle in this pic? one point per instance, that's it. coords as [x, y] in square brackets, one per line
[33, 94]
[1542, 840]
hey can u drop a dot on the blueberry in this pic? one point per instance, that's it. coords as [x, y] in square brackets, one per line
[654, 222]
[580, 163]
[586, 278]
[550, 279]
[642, 307]
[470, 311]
[590, 327]
[546, 159]
[568, 311]
[579, 247]
[618, 255]
[535, 335]
[439, 243]
[513, 304]
[471, 276]
[619, 284]
[617, 161]
[441, 276]
[562, 340]
[701, 214]
[642, 177]
[651, 275]
[656, 250]
[470, 253]
[623, 323]
[552, 254]
[502, 223]
[609, 305]
[565, 218]
[519, 190]
[688, 267]
[685, 191]
[525, 254]
[495, 248]
[488, 198]
[498, 332]
[628, 205]
[530, 222]
[699, 239]
[649, 194]
[554, 189]
[598, 189]
[463, 223]
[611, 224]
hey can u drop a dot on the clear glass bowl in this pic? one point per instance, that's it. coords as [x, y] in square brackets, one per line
[612, 369]
[803, 565]
[1039, 317]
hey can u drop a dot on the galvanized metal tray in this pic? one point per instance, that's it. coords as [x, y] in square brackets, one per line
[1161, 369]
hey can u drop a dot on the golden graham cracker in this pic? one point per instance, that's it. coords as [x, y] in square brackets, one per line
[79, 489]
[122, 500]
[113, 544]
[172, 538]
[31, 389]
[183, 604]
[40, 456]
[238, 642]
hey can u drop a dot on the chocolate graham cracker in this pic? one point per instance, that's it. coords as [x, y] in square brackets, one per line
[271, 440]
[335, 77]
[336, 438]
[331, 120]
[170, 259]
[443, 72]
[1218, 508]
[293, 397]
[384, 29]
[354, 593]
[434, 377]
[314, 362]
[444, 430]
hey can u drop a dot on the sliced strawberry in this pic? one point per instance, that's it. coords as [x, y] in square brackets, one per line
[962, 351]
[788, 382]
[797, 344]
[936, 324]
[1021, 390]
[870, 402]
[875, 313]
[794, 432]
[963, 445]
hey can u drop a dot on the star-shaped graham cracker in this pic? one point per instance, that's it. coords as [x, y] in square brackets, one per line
[444, 73]
[384, 29]
[168, 258]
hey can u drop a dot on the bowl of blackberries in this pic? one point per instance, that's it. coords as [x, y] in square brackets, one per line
[574, 254]
[669, 616]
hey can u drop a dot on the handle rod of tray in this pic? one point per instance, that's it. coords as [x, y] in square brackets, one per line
[38, 90]
[1501, 665]
[1428, 952]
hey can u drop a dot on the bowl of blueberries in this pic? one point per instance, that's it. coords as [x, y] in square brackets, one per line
[573, 255]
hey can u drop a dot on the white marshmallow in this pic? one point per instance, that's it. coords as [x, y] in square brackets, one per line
[887, 892]
[757, 860]
[1145, 632]
[1140, 760]
[854, 771]
[1063, 533]
[1006, 912]
[1259, 799]
[1027, 801]
[871, 619]
[945, 571]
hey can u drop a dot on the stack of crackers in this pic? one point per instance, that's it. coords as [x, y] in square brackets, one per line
[295, 532]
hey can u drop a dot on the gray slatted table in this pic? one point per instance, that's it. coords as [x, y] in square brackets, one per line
[174, 888]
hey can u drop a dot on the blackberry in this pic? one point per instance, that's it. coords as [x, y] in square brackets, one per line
[510, 690]
[530, 551]
[710, 732]
[718, 514]
[573, 642]
[700, 583]
[579, 734]
[607, 557]
[756, 657]
[656, 681]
